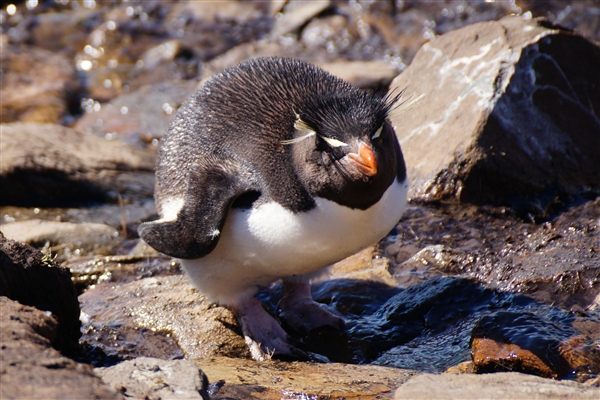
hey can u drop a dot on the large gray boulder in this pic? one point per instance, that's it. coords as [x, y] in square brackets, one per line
[510, 115]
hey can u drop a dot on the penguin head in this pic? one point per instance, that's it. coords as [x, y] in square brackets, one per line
[345, 149]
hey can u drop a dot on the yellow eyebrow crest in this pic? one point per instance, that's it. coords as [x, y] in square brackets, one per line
[333, 142]
[377, 133]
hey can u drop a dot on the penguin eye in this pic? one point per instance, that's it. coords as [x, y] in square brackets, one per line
[377, 133]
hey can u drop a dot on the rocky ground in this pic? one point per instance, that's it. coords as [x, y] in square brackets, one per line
[488, 287]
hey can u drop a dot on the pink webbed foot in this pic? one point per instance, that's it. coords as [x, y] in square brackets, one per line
[262, 333]
[304, 314]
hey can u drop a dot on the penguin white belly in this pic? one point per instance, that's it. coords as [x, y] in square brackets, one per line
[260, 245]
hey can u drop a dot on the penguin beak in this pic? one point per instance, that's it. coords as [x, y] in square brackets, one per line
[364, 161]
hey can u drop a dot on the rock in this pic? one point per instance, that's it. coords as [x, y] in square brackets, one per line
[365, 265]
[556, 263]
[170, 306]
[30, 278]
[492, 356]
[227, 10]
[31, 368]
[152, 378]
[507, 117]
[51, 165]
[270, 380]
[296, 14]
[37, 85]
[497, 386]
[65, 239]
[140, 116]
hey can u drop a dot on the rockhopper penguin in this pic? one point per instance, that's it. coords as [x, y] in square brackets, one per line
[275, 169]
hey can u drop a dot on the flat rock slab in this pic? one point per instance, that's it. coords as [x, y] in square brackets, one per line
[51, 165]
[510, 115]
[168, 306]
[65, 238]
[246, 379]
[152, 378]
[506, 385]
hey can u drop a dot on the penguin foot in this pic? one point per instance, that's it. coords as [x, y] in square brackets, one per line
[302, 313]
[264, 336]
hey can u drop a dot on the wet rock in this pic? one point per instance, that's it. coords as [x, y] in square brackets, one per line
[492, 356]
[64, 239]
[138, 117]
[37, 84]
[169, 306]
[548, 350]
[507, 117]
[152, 378]
[27, 276]
[245, 379]
[90, 270]
[499, 385]
[556, 263]
[51, 165]
[582, 353]
[31, 368]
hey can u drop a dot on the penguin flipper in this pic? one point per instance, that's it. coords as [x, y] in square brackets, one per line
[194, 232]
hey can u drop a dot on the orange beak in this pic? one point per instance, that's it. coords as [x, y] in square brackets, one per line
[365, 160]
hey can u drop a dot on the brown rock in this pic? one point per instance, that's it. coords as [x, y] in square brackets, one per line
[51, 165]
[31, 369]
[30, 278]
[490, 355]
[581, 353]
[37, 84]
[507, 116]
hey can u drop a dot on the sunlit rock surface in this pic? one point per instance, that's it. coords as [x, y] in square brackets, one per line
[509, 115]
[52, 165]
[492, 386]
